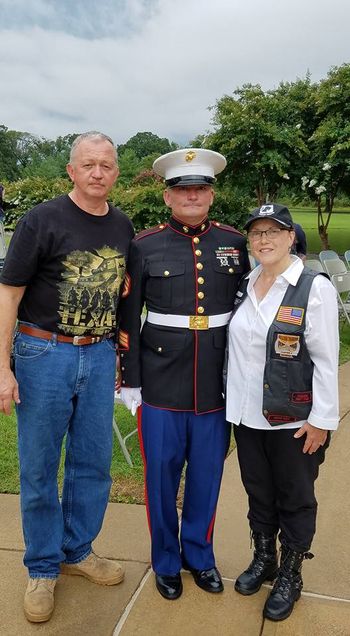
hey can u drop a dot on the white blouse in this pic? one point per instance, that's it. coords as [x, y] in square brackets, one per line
[247, 351]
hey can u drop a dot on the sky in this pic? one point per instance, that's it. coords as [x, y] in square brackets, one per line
[128, 66]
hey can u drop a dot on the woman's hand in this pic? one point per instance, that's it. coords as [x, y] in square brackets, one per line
[315, 437]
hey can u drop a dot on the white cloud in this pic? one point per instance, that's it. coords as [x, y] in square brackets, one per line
[167, 62]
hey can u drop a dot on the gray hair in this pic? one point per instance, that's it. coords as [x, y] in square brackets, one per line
[92, 135]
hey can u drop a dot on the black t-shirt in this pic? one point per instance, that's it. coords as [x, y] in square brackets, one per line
[72, 264]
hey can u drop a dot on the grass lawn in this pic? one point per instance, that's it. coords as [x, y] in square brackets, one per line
[338, 229]
[127, 486]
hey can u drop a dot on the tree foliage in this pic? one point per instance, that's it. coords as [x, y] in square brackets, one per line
[147, 143]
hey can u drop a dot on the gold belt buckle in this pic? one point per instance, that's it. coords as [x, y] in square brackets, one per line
[199, 322]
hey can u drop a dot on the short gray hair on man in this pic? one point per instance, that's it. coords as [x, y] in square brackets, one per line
[92, 135]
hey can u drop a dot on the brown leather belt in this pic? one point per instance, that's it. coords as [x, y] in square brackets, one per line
[75, 340]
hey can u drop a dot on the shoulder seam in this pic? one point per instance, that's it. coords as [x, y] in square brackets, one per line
[229, 228]
[150, 231]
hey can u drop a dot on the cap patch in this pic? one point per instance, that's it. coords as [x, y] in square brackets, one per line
[266, 210]
[190, 155]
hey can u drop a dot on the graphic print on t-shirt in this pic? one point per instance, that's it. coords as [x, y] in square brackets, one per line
[89, 291]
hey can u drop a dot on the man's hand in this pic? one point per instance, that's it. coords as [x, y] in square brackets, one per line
[8, 391]
[315, 437]
[131, 398]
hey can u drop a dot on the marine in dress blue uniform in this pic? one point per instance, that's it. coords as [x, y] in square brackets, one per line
[186, 272]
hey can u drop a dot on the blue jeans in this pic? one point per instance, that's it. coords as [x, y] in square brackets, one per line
[64, 389]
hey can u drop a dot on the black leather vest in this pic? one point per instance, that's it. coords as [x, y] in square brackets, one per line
[287, 382]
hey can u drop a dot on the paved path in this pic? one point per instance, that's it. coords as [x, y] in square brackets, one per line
[135, 608]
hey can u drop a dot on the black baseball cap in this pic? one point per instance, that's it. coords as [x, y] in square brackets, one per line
[275, 211]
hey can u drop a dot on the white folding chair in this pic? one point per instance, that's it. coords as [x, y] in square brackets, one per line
[342, 284]
[314, 264]
[326, 255]
[347, 257]
[334, 266]
[120, 438]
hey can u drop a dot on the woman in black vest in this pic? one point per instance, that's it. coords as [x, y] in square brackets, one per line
[282, 398]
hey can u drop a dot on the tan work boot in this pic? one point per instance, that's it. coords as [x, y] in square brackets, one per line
[96, 569]
[38, 600]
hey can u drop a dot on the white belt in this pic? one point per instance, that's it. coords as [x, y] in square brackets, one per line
[188, 322]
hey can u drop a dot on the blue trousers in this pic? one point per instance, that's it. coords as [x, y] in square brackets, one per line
[169, 439]
[64, 389]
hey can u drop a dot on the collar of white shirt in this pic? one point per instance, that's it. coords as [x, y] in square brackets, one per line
[291, 275]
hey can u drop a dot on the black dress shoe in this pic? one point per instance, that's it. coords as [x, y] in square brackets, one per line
[169, 586]
[208, 580]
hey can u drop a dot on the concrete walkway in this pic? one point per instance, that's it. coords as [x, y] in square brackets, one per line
[134, 608]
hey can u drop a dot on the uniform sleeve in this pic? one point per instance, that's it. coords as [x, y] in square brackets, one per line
[322, 341]
[130, 319]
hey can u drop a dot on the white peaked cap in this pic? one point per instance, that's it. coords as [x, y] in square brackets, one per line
[189, 166]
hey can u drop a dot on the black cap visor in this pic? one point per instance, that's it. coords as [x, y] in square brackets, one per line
[189, 180]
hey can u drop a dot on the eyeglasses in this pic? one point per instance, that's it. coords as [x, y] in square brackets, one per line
[256, 235]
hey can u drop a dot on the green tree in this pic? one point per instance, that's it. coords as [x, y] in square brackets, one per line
[260, 135]
[328, 171]
[147, 143]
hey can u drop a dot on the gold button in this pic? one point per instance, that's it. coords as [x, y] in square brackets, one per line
[196, 239]
[266, 386]
[203, 227]
[199, 266]
[185, 228]
[161, 227]
[231, 271]
[266, 412]
[200, 281]
[123, 368]
[200, 310]
[159, 349]
[166, 273]
[122, 355]
[198, 253]
[123, 381]
[200, 295]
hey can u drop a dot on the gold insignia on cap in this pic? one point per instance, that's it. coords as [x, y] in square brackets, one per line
[190, 155]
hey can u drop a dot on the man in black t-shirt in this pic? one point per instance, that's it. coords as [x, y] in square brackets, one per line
[66, 257]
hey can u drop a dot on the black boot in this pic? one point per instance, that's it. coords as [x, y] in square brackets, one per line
[263, 567]
[287, 588]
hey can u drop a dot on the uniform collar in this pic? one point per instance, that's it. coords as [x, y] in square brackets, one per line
[189, 230]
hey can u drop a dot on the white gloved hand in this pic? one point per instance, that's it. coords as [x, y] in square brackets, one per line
[131, 397]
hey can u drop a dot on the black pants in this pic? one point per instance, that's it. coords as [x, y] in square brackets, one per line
[279, 480]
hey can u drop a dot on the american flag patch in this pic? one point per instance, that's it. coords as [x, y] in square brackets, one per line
[292, 315]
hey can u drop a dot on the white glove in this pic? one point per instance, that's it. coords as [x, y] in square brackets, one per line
[131, 398]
